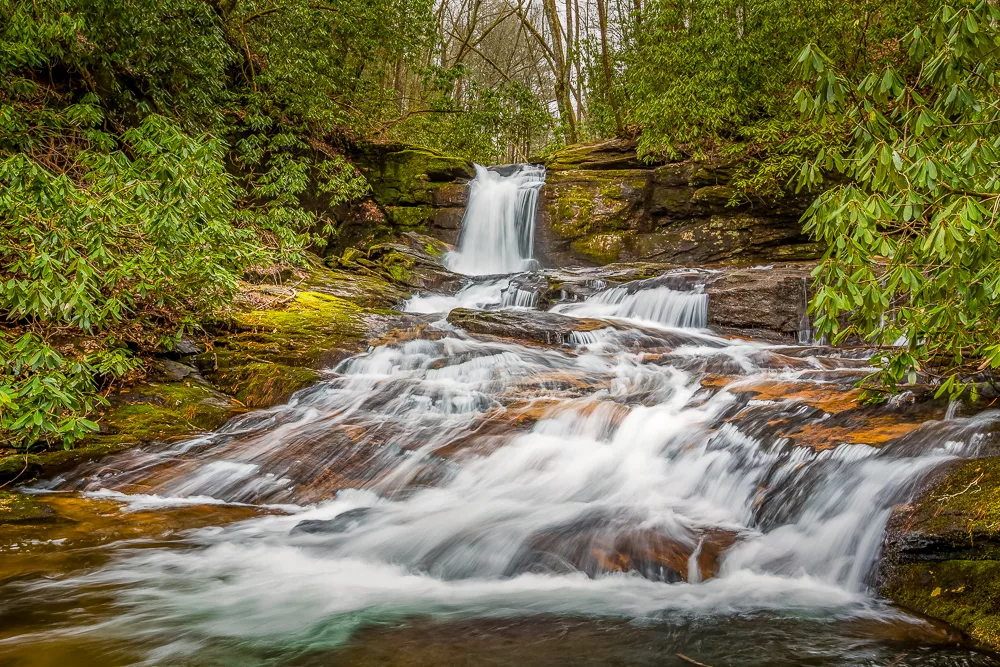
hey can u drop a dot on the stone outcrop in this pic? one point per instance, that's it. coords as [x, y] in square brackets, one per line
[601, 204]
[414, 188]
[768, 304]
[942, 552]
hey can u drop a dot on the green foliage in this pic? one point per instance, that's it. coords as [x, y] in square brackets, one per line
[486, 124]
[145, 231]
[124, 215]
[715, 74]
[138, 240]
[46, 397]
[914, 259]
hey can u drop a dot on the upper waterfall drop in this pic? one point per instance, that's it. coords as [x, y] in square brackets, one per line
[498, 228]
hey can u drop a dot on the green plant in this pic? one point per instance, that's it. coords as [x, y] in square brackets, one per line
[914, 258]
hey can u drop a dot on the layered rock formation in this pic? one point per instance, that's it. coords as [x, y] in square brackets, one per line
[601, 204]
[413, 189]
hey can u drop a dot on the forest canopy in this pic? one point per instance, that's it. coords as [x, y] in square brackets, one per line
[153, 151]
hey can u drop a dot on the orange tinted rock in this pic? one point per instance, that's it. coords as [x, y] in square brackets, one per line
[826, 397]
[868, 430]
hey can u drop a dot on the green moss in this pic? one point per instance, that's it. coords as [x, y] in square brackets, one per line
[364, 288]
[963, 593]
[409, 177]
[571, 213]
[603, 248]
[410, 217]
[965, 503]
[258, 384]
[20, 508]
[273, 353]
[595, 202]
[166, 410]
[155, 411]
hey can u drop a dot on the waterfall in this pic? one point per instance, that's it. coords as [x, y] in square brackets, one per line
[657, 305]
[498, 229]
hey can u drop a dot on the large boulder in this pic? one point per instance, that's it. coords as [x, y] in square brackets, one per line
[762, 303]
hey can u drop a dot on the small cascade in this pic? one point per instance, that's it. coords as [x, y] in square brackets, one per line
[498, 229]
[657, 305]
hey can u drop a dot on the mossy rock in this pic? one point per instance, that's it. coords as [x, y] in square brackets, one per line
[611, 154]
[263, 356]
[579, 203]
[603, 248]
[410, 217]
[20, 508]
[262, 384]
[967, 501]
[410, 176]
[150, 412]
[964, 593]
[942, 553]
[163, 410]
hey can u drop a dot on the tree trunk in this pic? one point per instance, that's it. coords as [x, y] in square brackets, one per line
[602, 19]
[562, 84]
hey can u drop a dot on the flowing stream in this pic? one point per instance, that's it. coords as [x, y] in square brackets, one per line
[646, 489]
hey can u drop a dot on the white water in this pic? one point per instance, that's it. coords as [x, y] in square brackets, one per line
[658, 305]
[498, 230]
[642, 450]
[498, 293]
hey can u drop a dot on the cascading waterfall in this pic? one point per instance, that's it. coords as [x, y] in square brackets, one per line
[658, 305]
[498, 229]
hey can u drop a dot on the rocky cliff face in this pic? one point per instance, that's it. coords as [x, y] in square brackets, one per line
[601, 204]
[413, 189]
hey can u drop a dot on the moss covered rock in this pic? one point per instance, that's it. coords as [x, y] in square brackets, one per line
[942, 553]
[410, 175]
[601, 204]
[20, 508]
[416, 188]
[263, 355]
[141, 414]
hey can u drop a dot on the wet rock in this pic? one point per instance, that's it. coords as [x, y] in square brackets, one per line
[602, 545]
[535, 327]
[760, 303]
[339, 524]
[18, 508]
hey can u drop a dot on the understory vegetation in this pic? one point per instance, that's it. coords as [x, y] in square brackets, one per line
[154, 152]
